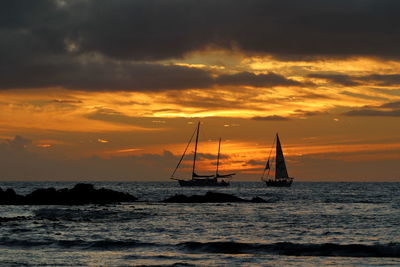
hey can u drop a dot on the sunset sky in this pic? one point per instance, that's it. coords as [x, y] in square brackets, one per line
[113, 90]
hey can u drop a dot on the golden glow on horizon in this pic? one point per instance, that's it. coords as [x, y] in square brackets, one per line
[249, 157]
[84, 123]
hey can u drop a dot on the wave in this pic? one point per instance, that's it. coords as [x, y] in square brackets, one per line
[282, 248]
[98, 244]
[81, 215]
[177, 264]
[13, 219]
[292, 249]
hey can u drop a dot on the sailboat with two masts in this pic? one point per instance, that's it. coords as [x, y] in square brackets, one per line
[202, 180]
[282, 178]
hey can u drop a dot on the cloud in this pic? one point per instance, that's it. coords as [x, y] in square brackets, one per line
[270, 118]
[297, 113]
[159, 29]
[113, 116]
[18, 163]
[102, 44]
[338, 168]
[18, 144]
[349, 80]
[309, 113]
[390, 109]
[98, 76]
[395, 92]
[373, 112]
[219, 100]
[311, 95]
[383, 80]
[395, 105]
[341, 79]
[255, 80]
[63, 101]
[255, 163]
[104, 75]
[362, 96]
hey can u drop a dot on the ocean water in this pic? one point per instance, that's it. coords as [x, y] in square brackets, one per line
[309, 224]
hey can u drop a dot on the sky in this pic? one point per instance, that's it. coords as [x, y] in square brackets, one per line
[113, 90]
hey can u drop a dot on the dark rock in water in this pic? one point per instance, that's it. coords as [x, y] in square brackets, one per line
[43, 196]
[210, 197]
[10, 197]
[78, 195]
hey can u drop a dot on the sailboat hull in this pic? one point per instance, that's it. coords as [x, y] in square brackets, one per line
[203, 182]
[280, 182]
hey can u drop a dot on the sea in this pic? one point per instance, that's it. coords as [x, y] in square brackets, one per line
[308, 224]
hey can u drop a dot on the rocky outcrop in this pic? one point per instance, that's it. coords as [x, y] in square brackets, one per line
[210, 197]
[80, 194]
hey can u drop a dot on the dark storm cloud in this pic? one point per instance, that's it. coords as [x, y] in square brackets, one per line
[149, 29]
[156, 29]
[391, 109]
[43, 41]
[126, 76]
[105, 76]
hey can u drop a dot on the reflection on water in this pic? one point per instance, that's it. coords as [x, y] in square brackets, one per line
[309, 224]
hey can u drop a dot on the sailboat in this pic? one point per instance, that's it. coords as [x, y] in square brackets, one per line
[202, 180]
[282, 178]
[217, 174]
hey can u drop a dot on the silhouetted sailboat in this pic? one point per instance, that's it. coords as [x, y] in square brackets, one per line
[282, 178]
[217, 175]
[201, 180]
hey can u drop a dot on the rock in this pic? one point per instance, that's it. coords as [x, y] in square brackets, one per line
[10, 197]
[210, 197]
[43, 196]
[80, 194]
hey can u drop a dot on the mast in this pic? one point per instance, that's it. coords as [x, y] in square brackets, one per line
[219, 149]
[280, 165]
[195, 150]
[267, 164]
[183, 155]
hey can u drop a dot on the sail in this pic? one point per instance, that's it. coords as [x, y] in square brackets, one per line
[217, 175]
[195, 152]
[196, 179]
[280, 166]
[267, 165]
